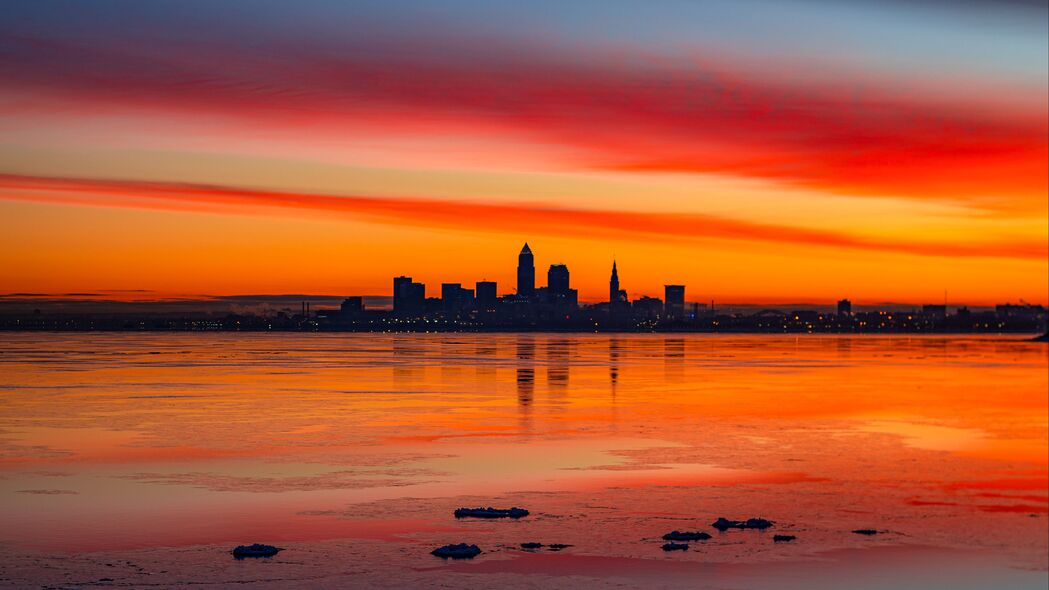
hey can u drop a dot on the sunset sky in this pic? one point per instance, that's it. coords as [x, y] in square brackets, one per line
[800, 150]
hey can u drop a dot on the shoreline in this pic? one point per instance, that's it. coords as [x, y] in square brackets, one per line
[1035, 336]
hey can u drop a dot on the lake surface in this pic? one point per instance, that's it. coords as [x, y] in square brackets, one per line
[141, 459]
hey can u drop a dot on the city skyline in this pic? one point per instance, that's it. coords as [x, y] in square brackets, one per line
[524, 305]
[249, 149]
[524, 286]
[556, 306]
[928, 275]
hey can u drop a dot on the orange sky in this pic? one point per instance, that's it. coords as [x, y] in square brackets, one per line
[192, 240]
[202, 163]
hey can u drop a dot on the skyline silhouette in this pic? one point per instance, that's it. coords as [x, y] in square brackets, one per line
[251, 150]
[552, 307]
[413, 294]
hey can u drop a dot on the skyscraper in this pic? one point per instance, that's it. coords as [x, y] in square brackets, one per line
[526, 273]
[613, 285]
[674, 296]
[400, 293]
[558, 290]
[408, 296]
[557, 280]
[454, 298]
[486, 295]
[417, 297]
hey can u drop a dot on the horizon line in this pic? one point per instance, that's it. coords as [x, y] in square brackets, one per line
[103, 296]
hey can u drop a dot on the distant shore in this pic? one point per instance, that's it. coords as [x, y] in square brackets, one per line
[935, 319]
[1033, 336]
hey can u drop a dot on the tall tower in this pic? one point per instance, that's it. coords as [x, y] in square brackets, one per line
[613, 285]
[526, 273]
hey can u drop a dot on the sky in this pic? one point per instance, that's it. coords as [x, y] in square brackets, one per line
[755, 151]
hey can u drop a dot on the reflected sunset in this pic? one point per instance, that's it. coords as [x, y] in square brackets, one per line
[366, 443]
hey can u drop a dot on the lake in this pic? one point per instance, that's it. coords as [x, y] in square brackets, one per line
[141, 459]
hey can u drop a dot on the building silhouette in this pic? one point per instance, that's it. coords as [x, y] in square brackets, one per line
[352, 304]
[409, 297]
[400, 292]
[455, 298]
[486, 295]
[674, 295]
[844, 307]
[558, 289]
[647, 308]
[934, 310]
[618, 304]
[616, 296]
[1024, 311]
[526, 273]
[557, 279]
[555, 308]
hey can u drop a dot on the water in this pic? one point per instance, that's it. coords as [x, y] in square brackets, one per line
[143, 458]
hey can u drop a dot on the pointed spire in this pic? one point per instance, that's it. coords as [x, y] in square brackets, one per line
[615, 273]
[526, 249]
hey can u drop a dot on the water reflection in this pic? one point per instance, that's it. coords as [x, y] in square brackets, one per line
[451, 371]
[129, 441]
[486, 355]
[844, 346]
[558, 359]
[408, 355]
[525, 352]
[674, 358]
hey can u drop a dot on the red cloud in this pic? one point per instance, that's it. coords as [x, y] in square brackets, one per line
[473, 216]
[853, 133]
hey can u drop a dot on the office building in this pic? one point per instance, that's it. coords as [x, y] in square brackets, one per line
[648, 308]
[674, 295]
[408, 296]
[487, 299]
[844, 307]
[557, 280]
[454, 298]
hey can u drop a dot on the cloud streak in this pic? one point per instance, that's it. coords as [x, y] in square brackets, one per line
[475, 216]
[848, 132]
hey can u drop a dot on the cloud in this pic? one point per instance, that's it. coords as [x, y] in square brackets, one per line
[477, 216]
[850, 132]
